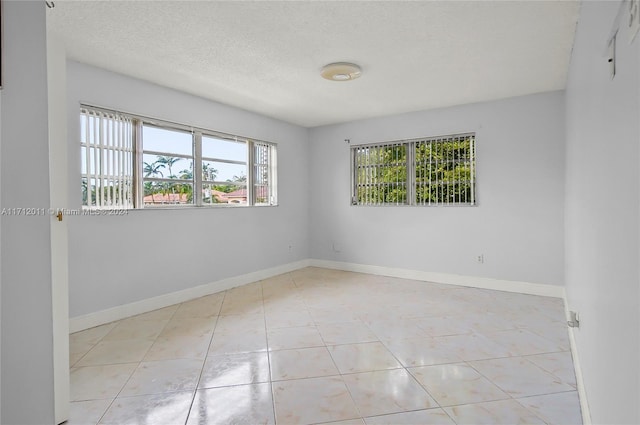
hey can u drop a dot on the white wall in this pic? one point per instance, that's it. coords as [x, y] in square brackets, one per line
[517, 225]
[602, 195]
[27, 332]
[116, 260]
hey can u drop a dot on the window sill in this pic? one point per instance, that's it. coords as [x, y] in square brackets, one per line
[115, 211]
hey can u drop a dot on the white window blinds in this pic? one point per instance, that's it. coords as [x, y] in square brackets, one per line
[381, 174]
[426, 171]
[107, 159]
[264, 166]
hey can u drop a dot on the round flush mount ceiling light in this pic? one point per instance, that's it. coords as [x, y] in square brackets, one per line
[341, 71]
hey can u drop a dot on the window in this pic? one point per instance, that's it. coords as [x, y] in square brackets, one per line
[264, 173]
[167, 166]
[429, 171]
[135, 162]
[224, 170]
[106, 154]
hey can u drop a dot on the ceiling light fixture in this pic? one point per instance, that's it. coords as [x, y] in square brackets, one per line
[341, 71]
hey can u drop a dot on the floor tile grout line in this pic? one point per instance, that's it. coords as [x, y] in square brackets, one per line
[154, 339]
[80, 359]
[511, 396]
[425, 389]
[204, 362]
[405, 411]
[508, 397]
[350, 395]
[541, 395]
[96, 343]
[401, 367]
[120, 391]
[517, 400]
[549, 371]
[533, 412]
[106, 410]
[129, 378]
[268, 354]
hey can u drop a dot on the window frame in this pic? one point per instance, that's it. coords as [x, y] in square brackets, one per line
[200, 159]
[139, 125]
[137, 203]
[411, 183]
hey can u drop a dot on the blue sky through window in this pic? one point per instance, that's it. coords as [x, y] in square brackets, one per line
[180, 142]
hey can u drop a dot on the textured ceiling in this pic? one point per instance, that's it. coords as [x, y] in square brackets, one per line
[266, 56]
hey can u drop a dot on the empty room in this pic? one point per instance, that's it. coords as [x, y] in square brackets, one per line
[320, 212]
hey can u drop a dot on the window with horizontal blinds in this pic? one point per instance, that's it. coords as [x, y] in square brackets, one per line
[423, 172]
[107, 150]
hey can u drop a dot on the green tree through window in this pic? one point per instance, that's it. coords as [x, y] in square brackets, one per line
[434, 171]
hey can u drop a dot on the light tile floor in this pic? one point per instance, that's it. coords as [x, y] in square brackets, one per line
[325, 346]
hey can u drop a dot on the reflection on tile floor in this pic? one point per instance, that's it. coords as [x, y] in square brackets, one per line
[324, 346]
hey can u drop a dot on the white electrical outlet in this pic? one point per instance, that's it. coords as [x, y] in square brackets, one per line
[480, 258]
[633, 23]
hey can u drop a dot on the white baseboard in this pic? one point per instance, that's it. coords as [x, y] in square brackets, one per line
[143, 306]
[449, 279]
[582, 393]
[120, 312]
